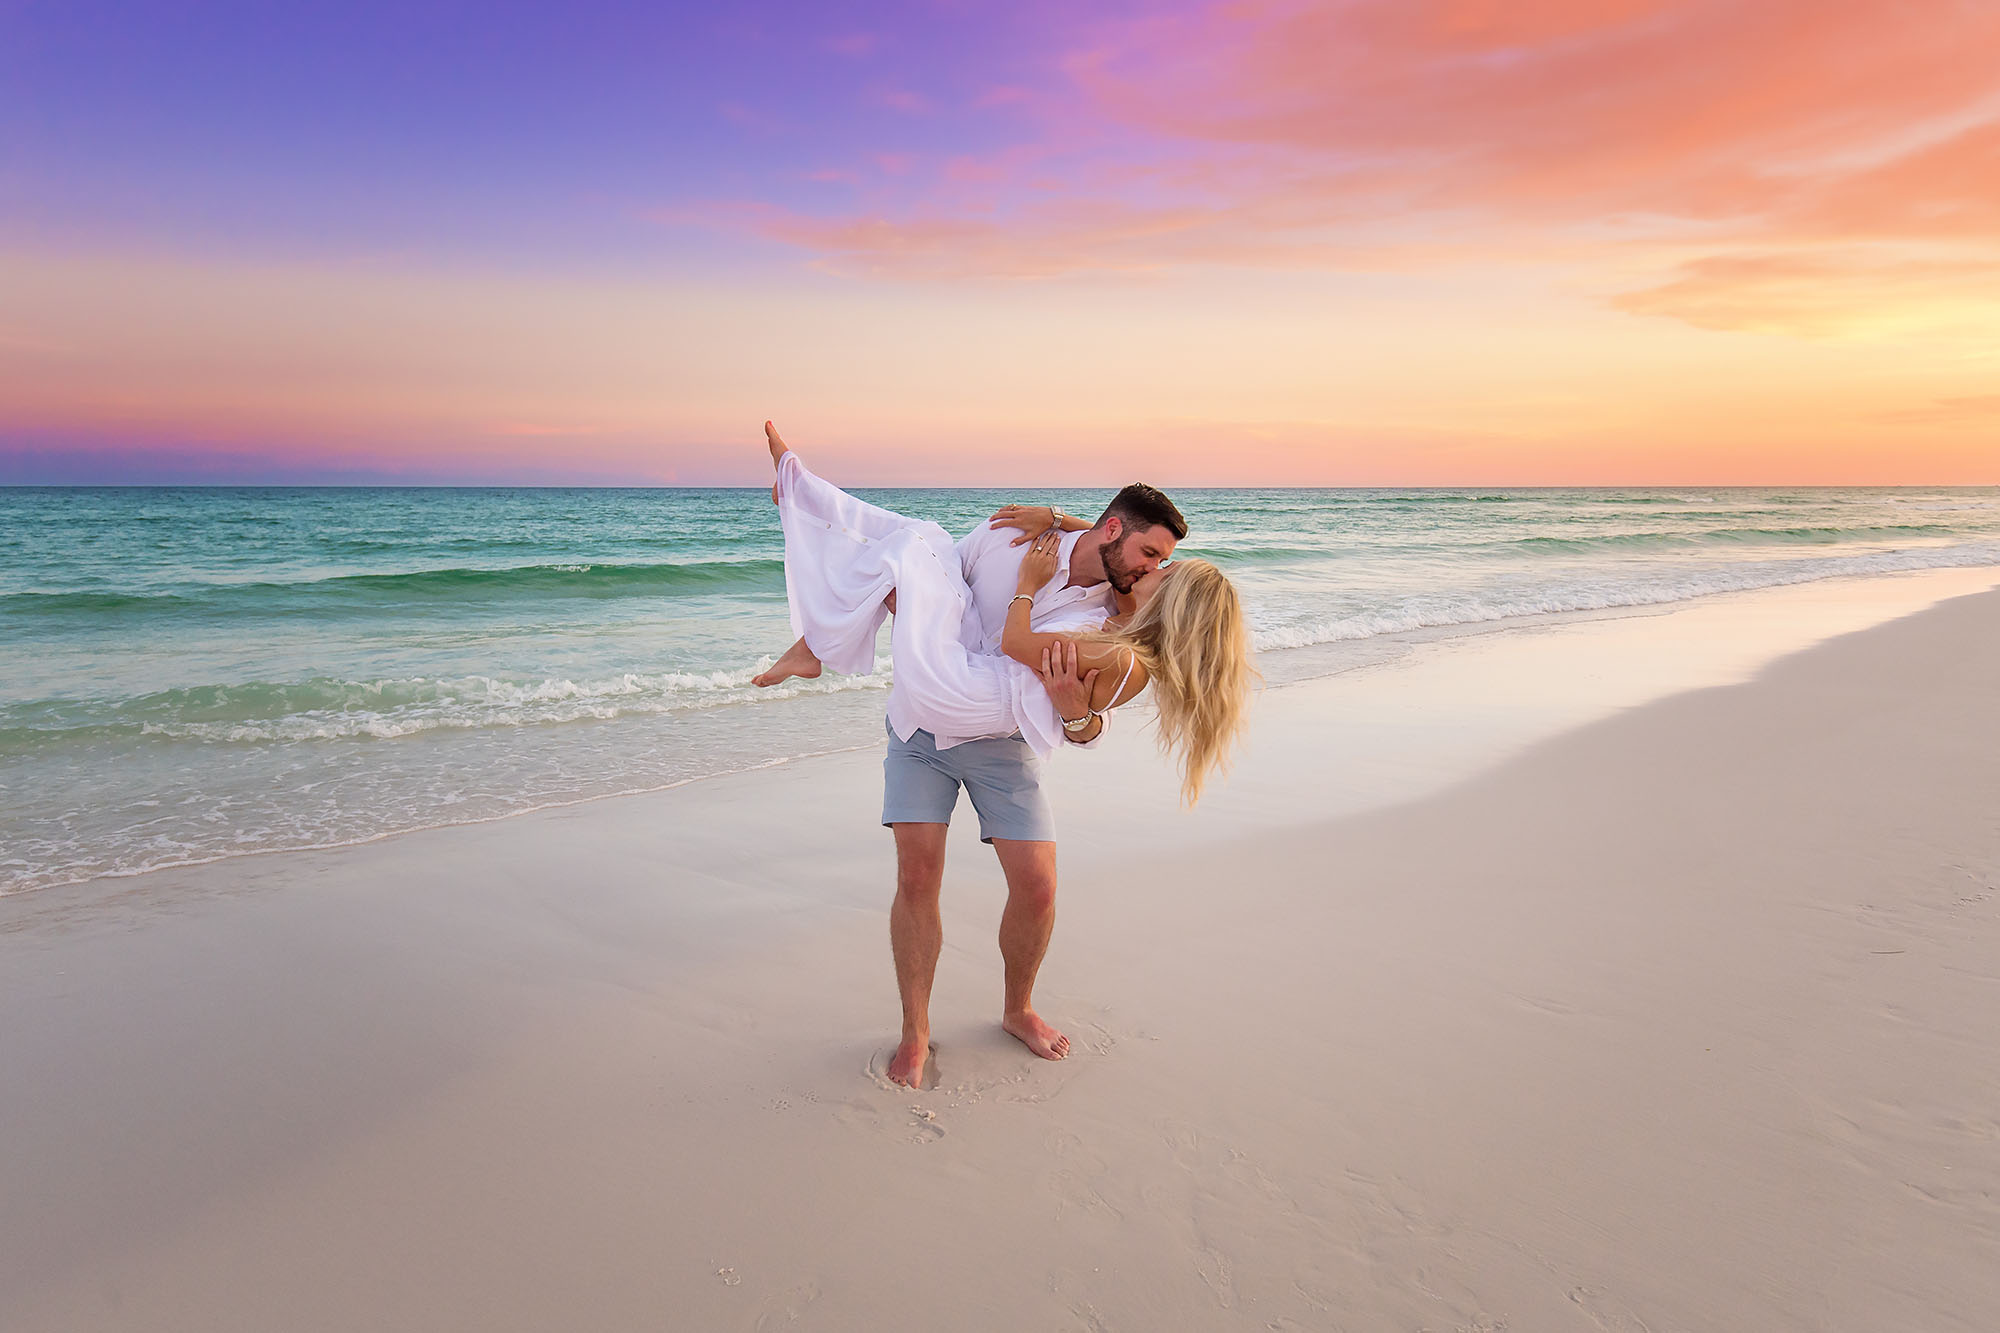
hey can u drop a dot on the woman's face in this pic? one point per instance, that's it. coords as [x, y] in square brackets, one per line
[1148, 584]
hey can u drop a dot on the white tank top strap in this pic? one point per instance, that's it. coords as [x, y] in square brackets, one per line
[1132, 664]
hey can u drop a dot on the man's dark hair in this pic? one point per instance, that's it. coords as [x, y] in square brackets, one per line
[1143, 506]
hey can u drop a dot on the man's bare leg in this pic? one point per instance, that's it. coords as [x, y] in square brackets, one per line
[1025, 927]
[916, 937]
[798, 660]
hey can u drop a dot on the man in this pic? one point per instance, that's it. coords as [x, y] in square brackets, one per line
[922, 776]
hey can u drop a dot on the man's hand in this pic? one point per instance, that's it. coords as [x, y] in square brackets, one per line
[1032, 520]
[1069, 692]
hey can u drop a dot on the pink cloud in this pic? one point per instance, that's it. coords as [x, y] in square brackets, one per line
[537, 430]
[1003, 95]
[993, 168]
[854, 44]
[1559, 109]
[1807, 146]
[1045, 241]
[901, 99]
[749, 118]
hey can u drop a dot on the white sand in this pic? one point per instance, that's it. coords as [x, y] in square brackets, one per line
[1687, 1017]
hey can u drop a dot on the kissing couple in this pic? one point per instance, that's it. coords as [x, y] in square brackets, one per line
[1005, 648]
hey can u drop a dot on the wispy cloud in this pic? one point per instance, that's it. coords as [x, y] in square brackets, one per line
[901, 99]
[854, 44]
[534, 429]
[1826, 295]
[1947, 411]
[1326, 134]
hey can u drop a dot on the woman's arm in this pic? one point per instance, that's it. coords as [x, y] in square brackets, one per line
[1017, 641]
[1034, 520]
[1027, 646]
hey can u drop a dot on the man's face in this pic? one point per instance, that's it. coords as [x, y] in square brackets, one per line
[1134, 553]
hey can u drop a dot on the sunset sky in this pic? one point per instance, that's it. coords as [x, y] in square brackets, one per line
[1394, 242]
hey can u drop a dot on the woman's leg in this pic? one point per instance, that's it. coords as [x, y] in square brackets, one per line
[797, 660]
[839, 572]
[821, 500]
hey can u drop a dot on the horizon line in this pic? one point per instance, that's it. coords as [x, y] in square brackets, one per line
[1044, 486]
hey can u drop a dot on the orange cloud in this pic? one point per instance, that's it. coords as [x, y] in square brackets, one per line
[1821, 295]
[1617, 133]
[1947, 411]
[1686, 108]
[1950, 188]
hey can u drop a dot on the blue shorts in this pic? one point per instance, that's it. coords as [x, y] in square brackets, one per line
[1004, 779]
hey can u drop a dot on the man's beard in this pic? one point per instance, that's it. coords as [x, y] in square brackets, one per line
[1117, 573]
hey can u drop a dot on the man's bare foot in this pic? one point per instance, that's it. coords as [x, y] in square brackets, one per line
[907, 1065]
[1036, 1035]
[797, 661]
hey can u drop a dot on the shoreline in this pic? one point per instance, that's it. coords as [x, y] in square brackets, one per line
[1284, 667]
[1628, 974]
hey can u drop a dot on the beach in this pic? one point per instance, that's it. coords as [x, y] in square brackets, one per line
[1603, 971]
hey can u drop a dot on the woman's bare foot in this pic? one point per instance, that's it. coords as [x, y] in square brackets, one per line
[778, 450]
[797, 661]
[1036, 1034]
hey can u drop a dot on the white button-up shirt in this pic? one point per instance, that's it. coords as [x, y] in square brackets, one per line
[991, 565]
[992, 569]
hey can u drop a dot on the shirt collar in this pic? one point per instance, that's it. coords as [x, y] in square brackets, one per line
[1065, 548]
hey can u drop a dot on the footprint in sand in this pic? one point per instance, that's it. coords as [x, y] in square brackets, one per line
[1607, 1312]
[1212, 1266]
[1183, 1142]
[878, 1072]
[784, 1311]
[1088, 1319]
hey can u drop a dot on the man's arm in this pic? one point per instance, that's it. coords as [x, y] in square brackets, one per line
[1034, 520]
[1069, 692]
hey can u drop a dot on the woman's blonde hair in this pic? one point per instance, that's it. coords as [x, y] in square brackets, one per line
[1191, 638]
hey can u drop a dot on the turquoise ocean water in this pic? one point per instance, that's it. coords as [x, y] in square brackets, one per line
[191, 674]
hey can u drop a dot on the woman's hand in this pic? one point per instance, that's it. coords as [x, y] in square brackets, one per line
[1038, 566]
[1032, 520]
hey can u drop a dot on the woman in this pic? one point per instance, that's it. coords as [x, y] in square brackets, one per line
[843, 557]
